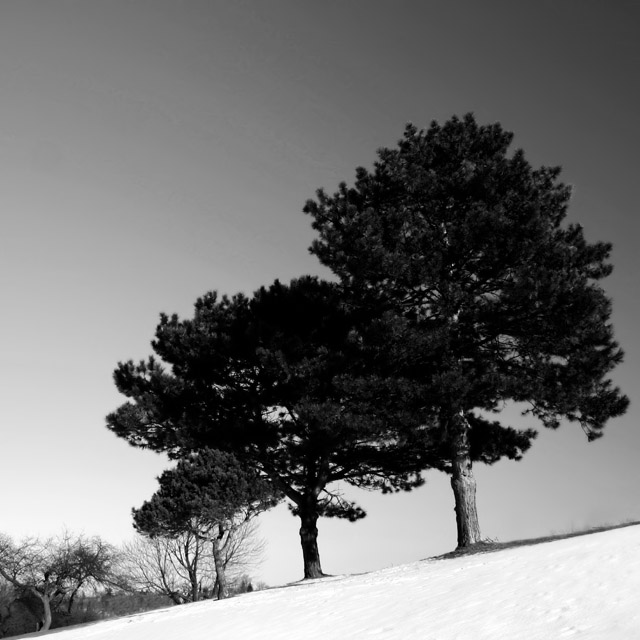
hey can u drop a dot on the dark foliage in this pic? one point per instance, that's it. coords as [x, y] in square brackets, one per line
[210, 495]
[203, 491]
[279, 381]
[488, 296]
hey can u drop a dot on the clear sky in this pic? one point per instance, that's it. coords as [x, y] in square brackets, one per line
[152, 150]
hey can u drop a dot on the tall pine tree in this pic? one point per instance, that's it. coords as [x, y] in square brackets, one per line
[498, 298]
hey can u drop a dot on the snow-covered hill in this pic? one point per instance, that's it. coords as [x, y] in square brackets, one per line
[587, 587]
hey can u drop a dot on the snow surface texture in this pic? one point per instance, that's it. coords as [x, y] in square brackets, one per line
[586, 587]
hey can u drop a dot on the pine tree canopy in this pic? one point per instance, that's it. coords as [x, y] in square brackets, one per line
[279, 381]
[203, 491]
[499, 298]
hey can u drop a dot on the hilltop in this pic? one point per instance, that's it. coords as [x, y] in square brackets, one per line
[576, 587]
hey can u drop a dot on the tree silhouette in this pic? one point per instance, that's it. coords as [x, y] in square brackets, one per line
[210, 496]
[495, 299]
[278, 381]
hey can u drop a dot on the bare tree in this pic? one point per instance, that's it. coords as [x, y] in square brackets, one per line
[89, 563]
[235, 548]
[31, 567]
[244, 549]
[183, 567]
[55, 570]
[177, 567]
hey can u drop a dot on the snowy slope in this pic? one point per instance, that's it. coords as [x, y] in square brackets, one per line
[586, 587]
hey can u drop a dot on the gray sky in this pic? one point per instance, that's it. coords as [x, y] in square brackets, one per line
[152, 150]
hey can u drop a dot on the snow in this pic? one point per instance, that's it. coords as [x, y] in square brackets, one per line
[585, 587]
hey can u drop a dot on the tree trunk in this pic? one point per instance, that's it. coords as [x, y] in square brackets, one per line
[45, 623]
[193, 582]
[221, 576]
[309, 540]
[195, 591]
[44, 597]
[72, 598]
[463, 484]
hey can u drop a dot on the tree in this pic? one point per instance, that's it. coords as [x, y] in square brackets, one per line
[209, 496]
[179, 567]
[182, 567]
[87, 562]
[498, 299]
[54, 571]
[277, 381]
